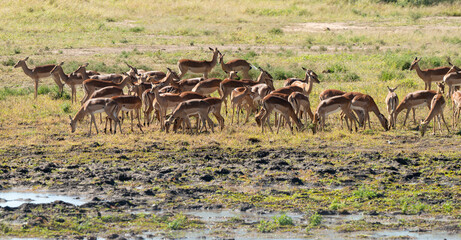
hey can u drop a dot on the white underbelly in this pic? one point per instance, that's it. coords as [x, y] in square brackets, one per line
[334, 111]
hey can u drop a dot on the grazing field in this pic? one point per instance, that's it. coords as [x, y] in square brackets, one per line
[150, 184]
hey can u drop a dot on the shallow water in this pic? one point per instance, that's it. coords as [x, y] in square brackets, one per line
[16, 198]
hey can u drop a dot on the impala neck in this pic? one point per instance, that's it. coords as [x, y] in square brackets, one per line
[79, 116]
[62, 75]
[26, 69]
[124, 82]
[420, 72]
[83, 73]
[434, 109]
[215, 59]
[310, 83]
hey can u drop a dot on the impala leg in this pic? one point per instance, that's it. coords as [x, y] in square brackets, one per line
[58, 82]
[368, 118]
[443, 119]
[35, 87]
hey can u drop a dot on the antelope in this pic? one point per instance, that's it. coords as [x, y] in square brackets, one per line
[437, 105]
[130, 103]
[39, 72]
[69, 79]
[301, 105]
[97, 105]
[238, 96]
[216, 109]
[456, 99]
[89, 73]
[227, 85]
[429, 75]
[188, 108]
[106, 92]
[452, 79]
[195, 66]
[208, 86]
[392, 100]
[290, 81]
[330, 93]
[152, 76]
[414, 100]
[91, 85]
[81, 71]
[332, 105]
[366, 104]
[273, 102]
[169, 100]
[236, 65]
[147, 99]
[187, 84]
[139, 88]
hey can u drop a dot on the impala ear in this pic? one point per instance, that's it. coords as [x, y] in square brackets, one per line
[25, 59]
[85, 65]
[211, 48]
[62, 63]
[304, 68]
[169, 69]
[70, 117]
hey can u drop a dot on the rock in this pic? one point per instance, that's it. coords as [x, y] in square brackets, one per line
[206, 177]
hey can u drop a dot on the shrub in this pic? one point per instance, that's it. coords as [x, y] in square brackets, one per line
[283, 220]
[266, 226]
[178, 223]
[66, 108]
[315, 220]
[136, 29]
[365, 194]
[276, 31]
[9, 63]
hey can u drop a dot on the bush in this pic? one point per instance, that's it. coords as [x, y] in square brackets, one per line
[6, 91]
[137, 29]
[178, 223]
[66, 108]
[365, 194]
[266, 226]
[276, 31]
[387, 75]
[315, 220]
[283, 220]
[9, 63]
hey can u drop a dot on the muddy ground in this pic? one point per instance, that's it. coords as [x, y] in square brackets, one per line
[147, 191]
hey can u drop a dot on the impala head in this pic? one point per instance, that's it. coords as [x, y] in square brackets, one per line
[423, 127]
[215, 51]
[221, 58]
[81, 69]
[233, 75]
[384, 121]
[56, 67]
[21, 62]
[267, 77]
[173, 73]
[312, 75]
[133, 70]
[453, 68]
[441, 87]
[414, 63]
[73, 124]
[391, 90]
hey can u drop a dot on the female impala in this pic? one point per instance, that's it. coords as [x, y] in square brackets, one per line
[366, 104]
[188, 108]
[195, 66]
[97, 105]
[236, 65]
[39, 72]
[129, 104]
[392, 100]
[332, 105]
[429, 75]
[456, 100]
[239, 97]
[70, 79]
[207, 86]
[91, 85]
[273, 102]
[301, 105]
[437, 105]
[414, 100]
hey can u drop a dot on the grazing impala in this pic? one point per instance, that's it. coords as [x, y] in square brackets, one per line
[366, 104]
[70, 79]
[414, 100]
[91, 85]
[429, 75]
[437, 105]
[195, 66]
[97, 105]
[39, 72]
[130, 103]
[452, 79]
[188, 108]
[273, 102]
[332, 105]
[392, 100]
[236, 65]
[239, 97]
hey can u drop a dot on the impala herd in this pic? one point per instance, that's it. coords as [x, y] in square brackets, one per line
[159, 92]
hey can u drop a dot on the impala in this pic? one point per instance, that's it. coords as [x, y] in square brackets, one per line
[91, 85]
[188, 108]
[392, 100]
[208, 86]
[227, 85]
[106, 92]
[330, 93]
[437, 105]
[130, 103]
[452, 79]
[39, 72]
[366, 104]
[429, 75]
[165, 101]
[238, 97]
[97, 105]
[147, 100]
[276, 103]
[301, 105]
[70, 79]
[414, 100]
[195, 66]
[236, 65]
[216, 109]
[187, 84]
[81, 71]
[456, 99]
[332, 105]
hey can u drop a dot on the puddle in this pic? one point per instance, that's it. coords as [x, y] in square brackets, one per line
[15, 199]
[417, 235]
[225, 215]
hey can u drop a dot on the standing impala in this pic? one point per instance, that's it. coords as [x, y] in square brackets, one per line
[273, 102]
[437, 105]
[414, 100]
[236, 65]
[429, 75]
[91, 85]
[332, 105]
[70, 79]
[392, 100]
[195, 66]
[39, 72]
